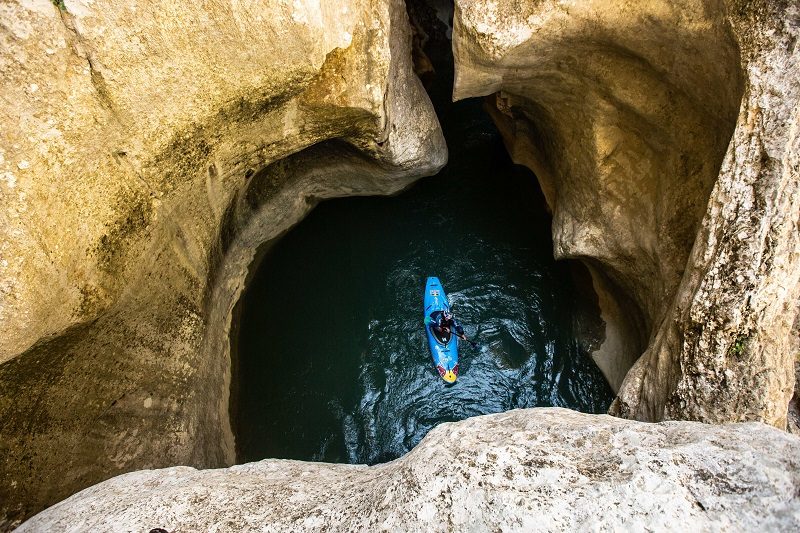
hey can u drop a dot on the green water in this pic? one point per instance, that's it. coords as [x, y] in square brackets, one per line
[333, 363]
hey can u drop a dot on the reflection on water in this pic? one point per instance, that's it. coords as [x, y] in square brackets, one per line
[333, 362]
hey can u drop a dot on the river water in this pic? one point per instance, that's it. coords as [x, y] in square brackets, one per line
[332, 359]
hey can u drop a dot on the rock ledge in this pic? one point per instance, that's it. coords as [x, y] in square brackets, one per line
[524, 470]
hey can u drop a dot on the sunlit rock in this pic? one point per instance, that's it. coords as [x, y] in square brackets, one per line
[147, 147]
[527, 470]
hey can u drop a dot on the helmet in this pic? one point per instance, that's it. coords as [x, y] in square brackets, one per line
[448, 315]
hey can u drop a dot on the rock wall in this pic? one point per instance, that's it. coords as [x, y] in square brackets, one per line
[147, 147]
[727, 350]
[664, 136]
[527, 470]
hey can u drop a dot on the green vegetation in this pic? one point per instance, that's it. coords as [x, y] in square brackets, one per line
[739, 345]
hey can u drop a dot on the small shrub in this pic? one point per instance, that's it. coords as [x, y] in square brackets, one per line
[739, 345]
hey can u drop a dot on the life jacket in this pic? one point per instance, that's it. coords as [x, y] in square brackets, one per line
[434, 319]
[438, 321]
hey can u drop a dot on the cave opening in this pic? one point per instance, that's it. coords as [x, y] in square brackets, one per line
[330, 361]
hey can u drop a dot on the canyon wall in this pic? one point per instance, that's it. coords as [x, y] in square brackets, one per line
[541, 469]
[148, 147]
[665, 139]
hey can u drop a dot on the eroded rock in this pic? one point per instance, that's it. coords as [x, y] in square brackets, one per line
[685, 215]
[148, 147]
[526, 470]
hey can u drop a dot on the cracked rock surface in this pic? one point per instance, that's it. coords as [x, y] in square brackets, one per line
[541, 469]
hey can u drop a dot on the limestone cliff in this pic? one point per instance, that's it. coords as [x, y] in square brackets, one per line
[530, 470]
[664, 136]
[147, 148]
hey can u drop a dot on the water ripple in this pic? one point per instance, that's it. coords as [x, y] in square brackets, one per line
[333, 359]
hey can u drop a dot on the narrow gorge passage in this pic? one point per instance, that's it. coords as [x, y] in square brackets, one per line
[332, 361]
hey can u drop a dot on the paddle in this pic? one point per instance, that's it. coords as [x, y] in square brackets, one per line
[472, 343]
[462, 337]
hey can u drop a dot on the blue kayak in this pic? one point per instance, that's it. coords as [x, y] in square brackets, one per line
[443, 349]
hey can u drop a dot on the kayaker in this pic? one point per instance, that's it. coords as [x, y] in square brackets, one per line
[444, 322]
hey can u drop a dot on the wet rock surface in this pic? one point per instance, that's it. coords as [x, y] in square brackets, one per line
[526, 470]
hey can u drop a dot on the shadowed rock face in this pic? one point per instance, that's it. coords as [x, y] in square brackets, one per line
[526, 470]
[664, 137]
[148, 147]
